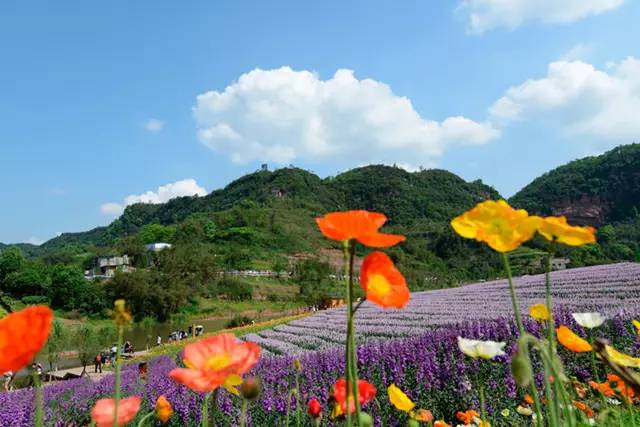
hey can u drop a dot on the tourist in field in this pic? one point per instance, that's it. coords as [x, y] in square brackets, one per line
[97, 363]
[159, 340]
[8, 380]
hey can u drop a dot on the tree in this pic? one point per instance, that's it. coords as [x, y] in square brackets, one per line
[149, 293]
[154, 233]
[30, 279]
[67, 284]
[55, 344]
[88, 344]
[133, 247]
[314, 279]
[11, 260]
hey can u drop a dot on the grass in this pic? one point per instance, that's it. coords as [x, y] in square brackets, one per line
[225, 308]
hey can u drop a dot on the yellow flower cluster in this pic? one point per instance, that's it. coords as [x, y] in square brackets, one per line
[504, 228]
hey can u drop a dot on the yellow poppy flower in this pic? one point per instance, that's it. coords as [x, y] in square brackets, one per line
[231, 383]
[497, 224]
[636, 324]
[400, 400]
[622, 359]
[556, 228]
[539, 312]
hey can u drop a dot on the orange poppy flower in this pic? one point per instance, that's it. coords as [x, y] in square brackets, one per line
[22, 336]
[556, 228]
[423, 415]
[366, 393]
[603, 388]
[528, 399]
[359, 225]
[467, 417]
[440, 423]
[583, 407]
[382, 282]
[497, 224]
[103, 411]
[620, 385]
[216, 361]
[164, 410]
[573, 342]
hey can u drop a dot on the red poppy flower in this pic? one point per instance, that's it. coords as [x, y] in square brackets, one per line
[22, 336]
[314, 409]
[359, 225]
[216, 361]
[382, 282]
[366, 393]
[103, 412]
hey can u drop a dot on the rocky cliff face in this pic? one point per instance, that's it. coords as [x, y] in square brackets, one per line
[587, 210]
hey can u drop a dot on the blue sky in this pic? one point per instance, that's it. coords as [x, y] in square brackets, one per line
[104, 103]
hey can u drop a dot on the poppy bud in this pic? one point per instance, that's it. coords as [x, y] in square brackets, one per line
[314, 409]
[365, 420]
[120, 313]
[413, 423]
[521, 366]
[298, 365]
[250, 388]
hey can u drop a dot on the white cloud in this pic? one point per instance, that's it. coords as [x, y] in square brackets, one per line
[484, 15]
[35, 241]
[164, 193]
[579, 99]
[154, 125]
[111, 209]
[283, 115]
[578, 52]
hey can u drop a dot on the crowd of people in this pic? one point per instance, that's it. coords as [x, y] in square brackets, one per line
[108, 357]
[180, 335]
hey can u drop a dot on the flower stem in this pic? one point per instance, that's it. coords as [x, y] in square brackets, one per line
[483, 406]
[518, 315]
[118, 376]
[351, 335]
[298, 402]
[204, 422]
[243, 413]
[347, 364]
[39, 403]
[145, 418]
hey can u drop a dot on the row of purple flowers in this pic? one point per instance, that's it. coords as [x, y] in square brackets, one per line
[429, 368]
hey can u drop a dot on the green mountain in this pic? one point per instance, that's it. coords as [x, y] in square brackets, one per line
[263, 217]
[594, 190]
[405, 197]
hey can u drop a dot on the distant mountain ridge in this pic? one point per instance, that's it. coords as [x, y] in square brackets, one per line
[594, 190]
[406, 197]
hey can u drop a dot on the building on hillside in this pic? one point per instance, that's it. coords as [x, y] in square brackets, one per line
[559, 263]
[104, 267]
[157, 247]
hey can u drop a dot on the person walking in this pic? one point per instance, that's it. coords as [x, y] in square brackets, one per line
[159, 340]
[97, 363]
[8, 380]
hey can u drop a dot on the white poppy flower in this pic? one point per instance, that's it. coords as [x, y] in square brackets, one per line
[588, 320]
[481, 349]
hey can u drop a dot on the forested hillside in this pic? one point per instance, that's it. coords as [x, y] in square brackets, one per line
[265, 220]
[594, 190]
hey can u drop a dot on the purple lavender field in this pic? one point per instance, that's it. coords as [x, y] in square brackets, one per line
[415, 349]
[608, 289]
